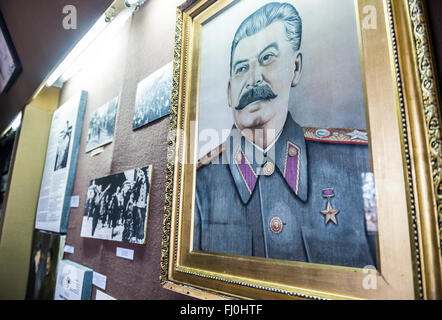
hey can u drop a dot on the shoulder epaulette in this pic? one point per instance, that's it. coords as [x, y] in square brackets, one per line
[210, 156]
[336, 135]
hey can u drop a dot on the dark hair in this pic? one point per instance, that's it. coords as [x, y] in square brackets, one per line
[265, 16]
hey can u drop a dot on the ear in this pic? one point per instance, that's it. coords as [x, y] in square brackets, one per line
[298, 70]
[229, 94]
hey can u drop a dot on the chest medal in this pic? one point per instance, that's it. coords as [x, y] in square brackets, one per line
[329, 212]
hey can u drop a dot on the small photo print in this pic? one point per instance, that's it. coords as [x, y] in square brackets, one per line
[102, 125]
[153, 97]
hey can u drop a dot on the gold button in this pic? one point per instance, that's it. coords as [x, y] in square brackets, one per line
[276, 225]
[292, 151]
[269, 168]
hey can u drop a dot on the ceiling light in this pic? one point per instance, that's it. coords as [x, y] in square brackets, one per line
[13, 126]
[16, 123]
[134, 3]
[57, 76]
[90, 36]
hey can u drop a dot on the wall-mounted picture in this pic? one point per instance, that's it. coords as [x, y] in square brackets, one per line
[102, 125]
[60, 165]
[117, 206]
[288, 143]
[74, 281]
[47, 251]
[153, 97]
[10, 65]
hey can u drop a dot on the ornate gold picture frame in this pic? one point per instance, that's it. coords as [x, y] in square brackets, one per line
[403, 126]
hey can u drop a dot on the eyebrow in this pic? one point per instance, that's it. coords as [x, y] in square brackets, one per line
[237, 63]
[273, 45]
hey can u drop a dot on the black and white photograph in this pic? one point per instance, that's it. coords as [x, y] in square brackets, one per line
[117, 206]
[102, 125]
[64, 140]
[153, 97]
[10, 65]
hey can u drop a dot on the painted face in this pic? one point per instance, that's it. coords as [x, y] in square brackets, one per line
[264, 68]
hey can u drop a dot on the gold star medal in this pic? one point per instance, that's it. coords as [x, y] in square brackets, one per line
[329, 212]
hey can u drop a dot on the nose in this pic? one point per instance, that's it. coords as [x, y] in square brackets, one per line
[255, 76]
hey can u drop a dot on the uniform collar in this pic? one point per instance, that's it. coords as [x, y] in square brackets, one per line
[288, 154]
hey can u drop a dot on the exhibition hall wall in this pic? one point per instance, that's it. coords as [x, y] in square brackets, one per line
[143, 45]
[111, 71]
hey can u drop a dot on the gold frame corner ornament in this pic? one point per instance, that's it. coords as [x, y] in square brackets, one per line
[418, 126]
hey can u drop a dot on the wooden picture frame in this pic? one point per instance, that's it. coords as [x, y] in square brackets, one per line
[403, 125]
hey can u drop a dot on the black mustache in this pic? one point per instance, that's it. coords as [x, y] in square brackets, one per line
[263, 92]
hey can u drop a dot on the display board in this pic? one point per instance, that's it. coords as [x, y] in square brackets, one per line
[47, 251]
[60, 165]
[74, 281]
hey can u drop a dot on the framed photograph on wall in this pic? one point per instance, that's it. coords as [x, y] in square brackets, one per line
[117, 206]
[102, 125]
[10, 66]
[295, 164]
[152, 100]
[47, 251]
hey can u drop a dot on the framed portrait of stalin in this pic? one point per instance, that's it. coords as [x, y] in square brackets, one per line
[295, 164]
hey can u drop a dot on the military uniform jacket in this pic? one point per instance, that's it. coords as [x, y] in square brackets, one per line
[274, 204]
